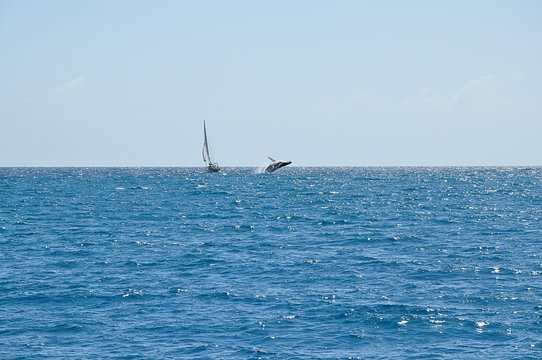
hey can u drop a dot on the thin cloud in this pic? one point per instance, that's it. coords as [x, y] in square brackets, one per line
[482, 90]
[71, 84]
[361, 95]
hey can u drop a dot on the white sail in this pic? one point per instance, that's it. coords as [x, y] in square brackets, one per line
[205, 151]
[211, 166]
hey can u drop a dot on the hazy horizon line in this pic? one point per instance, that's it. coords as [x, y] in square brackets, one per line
[256, 167]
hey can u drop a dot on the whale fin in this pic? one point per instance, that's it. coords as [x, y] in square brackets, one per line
[270, 158]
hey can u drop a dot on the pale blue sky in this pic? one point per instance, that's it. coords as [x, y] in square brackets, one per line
[360, 83]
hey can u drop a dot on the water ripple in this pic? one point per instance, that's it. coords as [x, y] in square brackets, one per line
[307, 263]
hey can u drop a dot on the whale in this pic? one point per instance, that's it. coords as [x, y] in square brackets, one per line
[275, 165]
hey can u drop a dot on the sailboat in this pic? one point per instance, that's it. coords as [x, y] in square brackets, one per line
[210, 165]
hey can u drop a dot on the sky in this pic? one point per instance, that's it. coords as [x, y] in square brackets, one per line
[320, 83]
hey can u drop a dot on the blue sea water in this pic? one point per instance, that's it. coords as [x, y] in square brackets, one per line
[305, 263]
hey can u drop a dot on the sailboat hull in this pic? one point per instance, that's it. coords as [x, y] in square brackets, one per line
[212, 168]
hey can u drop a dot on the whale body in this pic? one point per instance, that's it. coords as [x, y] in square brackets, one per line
[275, 165]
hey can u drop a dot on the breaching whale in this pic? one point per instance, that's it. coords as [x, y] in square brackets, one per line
[275, 165]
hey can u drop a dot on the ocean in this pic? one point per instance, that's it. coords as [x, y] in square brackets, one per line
[304, 263]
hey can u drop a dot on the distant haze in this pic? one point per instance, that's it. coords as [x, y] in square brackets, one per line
[360, 83]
